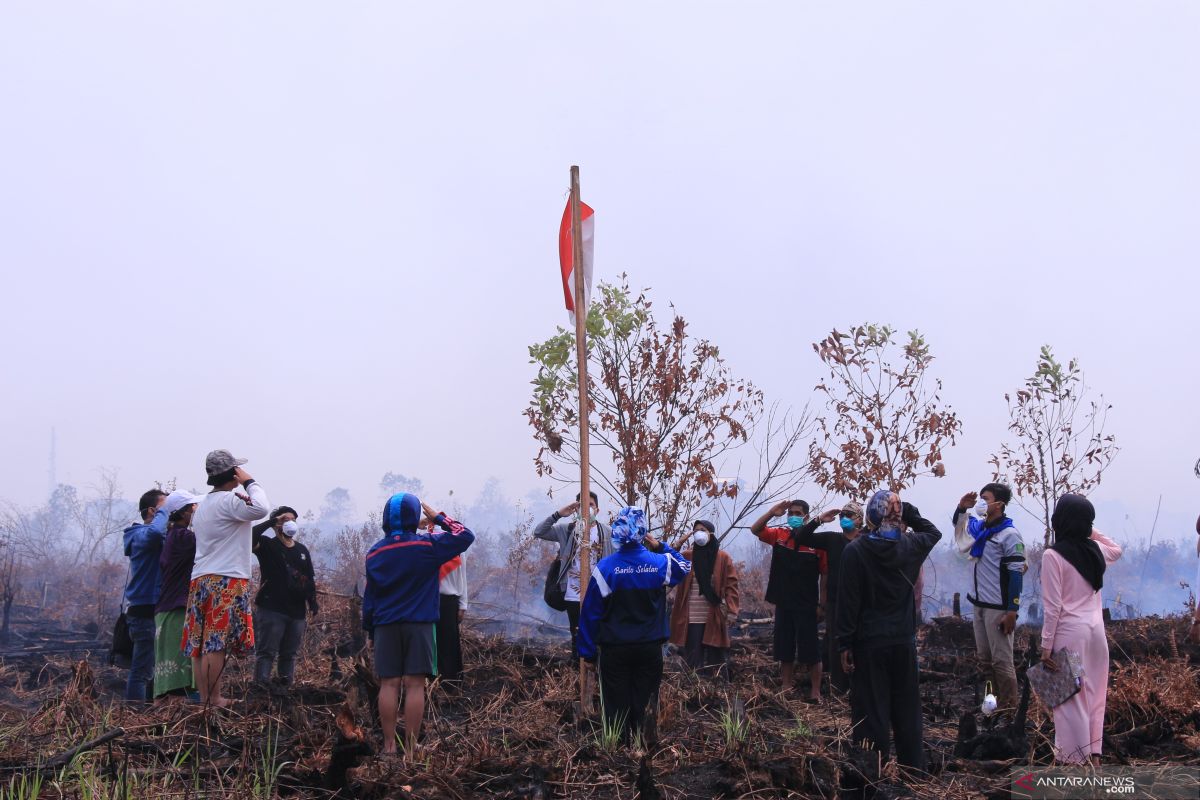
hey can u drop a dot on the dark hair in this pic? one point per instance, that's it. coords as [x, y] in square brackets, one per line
[177, 514]
[703, 523]
[222, 477]
[595, 498]
[800, 503]
[999, 491]
[150, 499]
[284, 510]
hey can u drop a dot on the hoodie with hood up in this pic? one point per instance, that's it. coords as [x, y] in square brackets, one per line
[143, 544]
[402, 567]
[875, 589]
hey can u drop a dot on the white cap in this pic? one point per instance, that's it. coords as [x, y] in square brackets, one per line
[179, 499]
[290, 529]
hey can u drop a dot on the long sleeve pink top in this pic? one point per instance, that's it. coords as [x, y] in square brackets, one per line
[1075, 620]
[1067, 596]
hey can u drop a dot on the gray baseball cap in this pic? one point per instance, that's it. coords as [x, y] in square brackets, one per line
[219, 461]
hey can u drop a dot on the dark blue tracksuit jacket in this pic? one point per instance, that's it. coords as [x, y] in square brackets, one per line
[402, 567]
[626, 597]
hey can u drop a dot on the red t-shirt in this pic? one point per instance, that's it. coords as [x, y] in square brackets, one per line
[783, 536]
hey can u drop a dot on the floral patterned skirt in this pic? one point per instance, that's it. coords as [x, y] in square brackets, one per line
[218, 617]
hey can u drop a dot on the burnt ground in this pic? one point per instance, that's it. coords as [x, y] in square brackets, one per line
[513, 728]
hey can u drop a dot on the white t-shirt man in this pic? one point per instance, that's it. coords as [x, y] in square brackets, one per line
[572, 595]
[223, 526]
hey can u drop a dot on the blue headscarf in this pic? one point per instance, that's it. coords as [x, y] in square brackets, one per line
[882, 525]
[401, 513]
[629, 527]
[980, 533]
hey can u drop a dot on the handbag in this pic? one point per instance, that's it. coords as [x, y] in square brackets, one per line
[122, 642]
[1056, 688]
[553, 593]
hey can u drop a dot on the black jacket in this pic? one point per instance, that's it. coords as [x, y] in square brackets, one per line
[288, 583]
[875, 604]
[834, 544]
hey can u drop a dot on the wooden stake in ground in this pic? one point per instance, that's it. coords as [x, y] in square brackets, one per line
[583, 530]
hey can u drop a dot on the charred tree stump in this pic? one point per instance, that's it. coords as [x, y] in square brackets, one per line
[368, 687]
[650, 723]
[968, 729]
[994, 745]
[647, 788]
[349, 748]
[957, 605]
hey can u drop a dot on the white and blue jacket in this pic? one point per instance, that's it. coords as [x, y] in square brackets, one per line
[625, 601]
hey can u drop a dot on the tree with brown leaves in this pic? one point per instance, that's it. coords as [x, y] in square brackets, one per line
[665, 409]
[1061, 445]
[888, 425]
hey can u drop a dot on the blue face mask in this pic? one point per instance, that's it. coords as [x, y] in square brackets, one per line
[795, 522]
[847, 524]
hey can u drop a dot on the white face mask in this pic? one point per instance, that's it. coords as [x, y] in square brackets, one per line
[700, 538]
[981, 508]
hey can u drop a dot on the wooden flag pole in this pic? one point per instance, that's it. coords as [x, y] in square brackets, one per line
[585, 506]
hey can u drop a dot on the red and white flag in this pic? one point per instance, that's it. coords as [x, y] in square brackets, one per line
[566, 257]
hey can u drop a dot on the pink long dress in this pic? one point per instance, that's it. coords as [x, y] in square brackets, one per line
[1075, 620]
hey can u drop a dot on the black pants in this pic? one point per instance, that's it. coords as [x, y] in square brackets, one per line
[449, 648]
[700, 656]
[885, 699]
[573, 621]
[629, 677]
[838, 678]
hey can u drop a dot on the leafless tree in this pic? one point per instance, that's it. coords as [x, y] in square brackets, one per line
[780, 469]
[1061, 442]
[352, 543]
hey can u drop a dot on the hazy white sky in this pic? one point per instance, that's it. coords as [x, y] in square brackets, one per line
[322, 235]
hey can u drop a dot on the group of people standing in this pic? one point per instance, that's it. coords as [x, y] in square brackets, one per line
[188, 597]
[1072, 574]
[188, 600]
[189, 605]
[863, 579]
[872, 607]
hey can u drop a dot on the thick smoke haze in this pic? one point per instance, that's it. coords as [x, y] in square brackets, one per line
[324, 237]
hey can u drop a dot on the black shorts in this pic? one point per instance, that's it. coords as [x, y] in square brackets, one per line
[405, 648]
[796, 639]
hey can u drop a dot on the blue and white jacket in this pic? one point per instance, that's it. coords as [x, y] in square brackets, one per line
[626, 601]
[402, 567]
